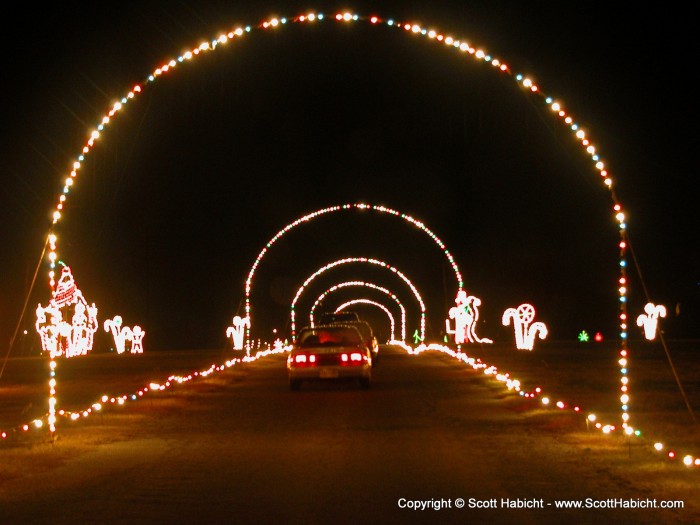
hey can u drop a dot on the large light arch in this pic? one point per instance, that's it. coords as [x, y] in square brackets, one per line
[373, 286]
[558, 112]
[379, 305]
[351, 260]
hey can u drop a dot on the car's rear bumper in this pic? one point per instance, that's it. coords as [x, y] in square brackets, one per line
[330, 372]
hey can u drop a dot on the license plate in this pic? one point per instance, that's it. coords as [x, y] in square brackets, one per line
[328, 373]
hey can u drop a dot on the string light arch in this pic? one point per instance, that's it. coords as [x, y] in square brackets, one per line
[351, 260]
[373, 286]
[557, 109]
[392, 321]
[333, 209]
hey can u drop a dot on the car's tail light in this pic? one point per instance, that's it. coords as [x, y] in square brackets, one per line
[303, 360]
[353, 358]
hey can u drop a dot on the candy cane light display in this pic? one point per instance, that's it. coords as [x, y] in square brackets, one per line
[122, 333]
[350, 260]
[649, 320]
[525, 330]
[373, 286]
[237, 331]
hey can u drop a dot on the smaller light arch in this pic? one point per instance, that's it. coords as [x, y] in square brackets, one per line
[350, 260]
[392, 321]
[333, 209]
[345, 284]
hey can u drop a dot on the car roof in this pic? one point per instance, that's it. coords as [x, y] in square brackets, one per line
[344, 315]
[309, 332]
[363, 326]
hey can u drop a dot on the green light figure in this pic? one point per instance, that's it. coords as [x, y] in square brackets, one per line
[583, 336]
[417, 338]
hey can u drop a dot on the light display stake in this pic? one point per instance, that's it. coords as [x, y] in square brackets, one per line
[525, 329]
[466, 315]
[392, 321]
[650, 319]
[58, 336]
[349, 260]
[237, 332]
[368, 285]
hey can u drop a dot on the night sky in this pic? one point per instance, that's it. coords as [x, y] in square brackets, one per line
[181, 193]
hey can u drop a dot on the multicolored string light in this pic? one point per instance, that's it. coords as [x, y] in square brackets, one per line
[373, 286]
[51, 416]
[351, 260]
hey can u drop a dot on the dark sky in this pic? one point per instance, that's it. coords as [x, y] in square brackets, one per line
[183, 191]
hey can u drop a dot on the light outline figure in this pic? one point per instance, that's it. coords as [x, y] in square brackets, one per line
[392, 321]
[237, 332]
[137, 335]
[373, 286]
[58, 336]
[350, 260]
[120, 332]
[525, 330]
[649, 320]
[466, 316]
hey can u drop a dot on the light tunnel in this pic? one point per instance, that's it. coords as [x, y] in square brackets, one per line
[347, 207]
[373, 286]
[352, 260]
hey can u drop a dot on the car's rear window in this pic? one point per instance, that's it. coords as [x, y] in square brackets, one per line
[329, 337]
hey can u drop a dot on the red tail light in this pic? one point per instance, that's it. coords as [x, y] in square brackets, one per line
[302, 360]
[353, 358]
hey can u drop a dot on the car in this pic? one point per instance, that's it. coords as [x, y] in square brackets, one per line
[329, 353]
